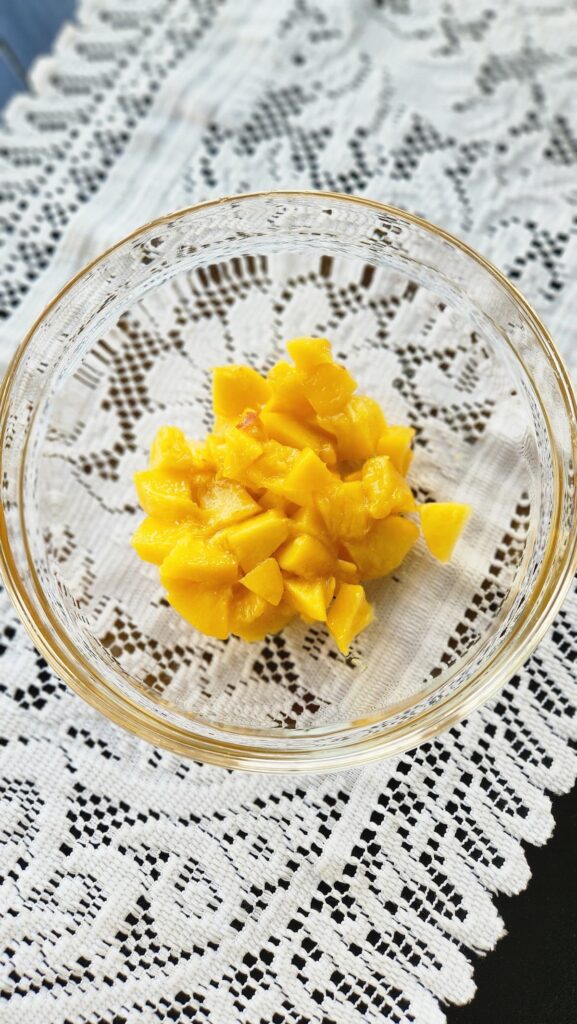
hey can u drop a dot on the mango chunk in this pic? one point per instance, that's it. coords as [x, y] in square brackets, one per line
[347, 571]
[308, 475]
[328, 388]
[165, 494]
[290, 431]
[206, 608]
[155, 538]
[307, 597]
[252, 618]
[288, 391]
[344, 510]
[385, 489]
[199, 561]
[442, 523]
[384, 547]
[266, 581]
[308, 519]
[298, 493]
[225, 501]
[170, 450]
[396, 443]
[236, 388]
[349, 614]
[271, 468]
[306, 556]
[235, 451]
[258, 537]
[356, 429]
[309, 352]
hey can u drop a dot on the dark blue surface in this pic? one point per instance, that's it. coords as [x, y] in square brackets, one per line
[27, 29]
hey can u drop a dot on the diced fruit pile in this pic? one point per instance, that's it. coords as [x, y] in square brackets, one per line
[296, 498]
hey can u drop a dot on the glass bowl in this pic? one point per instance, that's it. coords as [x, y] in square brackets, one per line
[429, 329]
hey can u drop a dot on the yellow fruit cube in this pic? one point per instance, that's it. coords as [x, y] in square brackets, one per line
[155, 538]
[349, 614]
[385, 489]
[266, 581]
[200, 561]
[253, 618]
[170, 450]
[206, 608]
[224, 502]
[309, 520]
[257, 538]
[236, 388]
[307, 597]
[344, 510]
[288, 391]
[309, 352]
[165, 494]
[306, 556]
[442, 523]
[270, 469]
[347, 571]
[307, 476]
[236, 450]
[384, 547]
[396, 443]
[268, 499]
[356, 429]
[290, 431]
[329, 388]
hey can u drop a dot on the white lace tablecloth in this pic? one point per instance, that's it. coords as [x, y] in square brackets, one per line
[137, 888]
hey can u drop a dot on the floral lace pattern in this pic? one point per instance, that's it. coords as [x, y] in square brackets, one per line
[138, 888]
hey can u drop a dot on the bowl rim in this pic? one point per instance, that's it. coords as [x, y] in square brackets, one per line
[485, 681]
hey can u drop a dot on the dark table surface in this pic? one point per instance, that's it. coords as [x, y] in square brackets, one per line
[531, 977]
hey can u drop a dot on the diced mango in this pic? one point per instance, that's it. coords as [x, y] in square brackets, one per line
[442, 523]
[307, 476]
[271, 468]
[309, 352]
[206, 608]
[170, 450]
[155, 538]
[165, 494]
[356, 429]
[236, 450]
[253, 618]
[307, 597]
[308, 519]
[396, 443]
[265, 580]
[328, 388]
[347, 571]
[297, 467]
[290, 431]
[246, 609]
[268, 499]
[349, 614]
[385, 489]
[288, 391]
[251, 425]
[224, 502]
[257, 538]
[200, 561]
[344, 510]
[236, 388]
[306, 556]
[384, 547]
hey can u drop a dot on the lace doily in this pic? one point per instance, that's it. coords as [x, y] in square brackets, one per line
[137, 888]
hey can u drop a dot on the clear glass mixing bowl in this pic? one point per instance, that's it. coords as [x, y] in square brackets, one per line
[428, 328]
